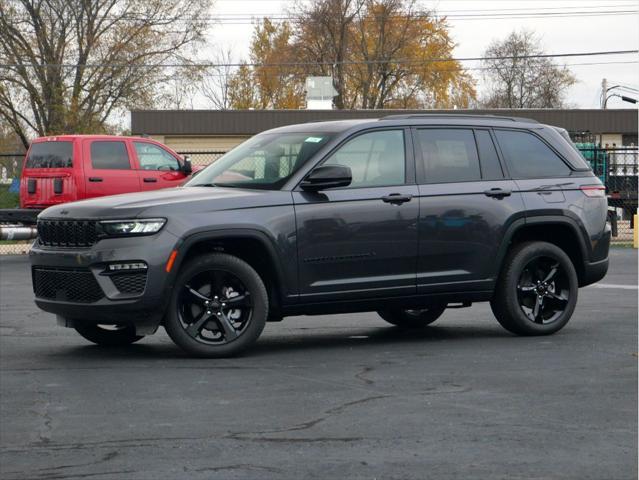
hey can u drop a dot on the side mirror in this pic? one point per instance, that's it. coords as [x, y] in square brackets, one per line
[327, 176]
[187, 168]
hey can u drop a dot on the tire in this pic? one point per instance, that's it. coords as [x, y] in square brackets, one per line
[412, 319]
[217, 330]
[108, 337]
[529, 298]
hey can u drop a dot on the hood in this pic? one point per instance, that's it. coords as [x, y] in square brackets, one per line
[166, 202]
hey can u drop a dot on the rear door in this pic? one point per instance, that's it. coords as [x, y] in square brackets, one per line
[157, 167]
[108, 168]
[465, 206]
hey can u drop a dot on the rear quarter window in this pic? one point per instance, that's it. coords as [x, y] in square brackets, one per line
[50, 155]
[528, 157]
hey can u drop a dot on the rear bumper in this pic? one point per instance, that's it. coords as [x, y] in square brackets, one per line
[143, 310]
[25, 216]
[593, 272]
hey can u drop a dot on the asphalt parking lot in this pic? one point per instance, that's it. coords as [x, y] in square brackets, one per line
[327, 397]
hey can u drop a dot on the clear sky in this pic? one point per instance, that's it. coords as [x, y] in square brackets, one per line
[561, 34]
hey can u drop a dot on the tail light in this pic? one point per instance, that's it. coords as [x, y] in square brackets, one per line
[594, 191]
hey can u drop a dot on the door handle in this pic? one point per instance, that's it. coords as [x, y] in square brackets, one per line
[150, 180]
[498, 192]
[95, 179]
[396, 198]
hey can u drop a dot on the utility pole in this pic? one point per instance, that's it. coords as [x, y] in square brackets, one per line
[604, 93]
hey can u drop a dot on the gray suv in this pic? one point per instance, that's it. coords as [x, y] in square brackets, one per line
[405, 216]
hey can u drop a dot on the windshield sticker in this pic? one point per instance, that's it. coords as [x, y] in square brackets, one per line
[314, 139]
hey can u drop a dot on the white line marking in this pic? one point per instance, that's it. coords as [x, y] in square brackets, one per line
[614, 285]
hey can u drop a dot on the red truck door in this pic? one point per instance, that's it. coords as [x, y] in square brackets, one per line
[158, 168]
[108, 169]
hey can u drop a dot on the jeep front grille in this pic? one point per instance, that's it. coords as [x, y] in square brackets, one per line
[67, 233]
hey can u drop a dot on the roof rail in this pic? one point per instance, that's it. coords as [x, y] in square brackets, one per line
[456, 115]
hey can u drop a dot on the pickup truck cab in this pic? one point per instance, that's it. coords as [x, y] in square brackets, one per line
[66, 168]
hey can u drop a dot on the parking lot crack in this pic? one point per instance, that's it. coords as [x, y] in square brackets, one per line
[304, 425]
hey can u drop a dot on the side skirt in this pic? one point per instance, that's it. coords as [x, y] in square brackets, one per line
[374, 304]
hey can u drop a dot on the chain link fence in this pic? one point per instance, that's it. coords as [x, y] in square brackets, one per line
[616, 167]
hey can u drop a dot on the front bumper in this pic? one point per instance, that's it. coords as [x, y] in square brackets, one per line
[144, 310]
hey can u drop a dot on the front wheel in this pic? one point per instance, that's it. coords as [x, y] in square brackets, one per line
[218, 307]
[412, 318]
[108, 335]
[536, 293]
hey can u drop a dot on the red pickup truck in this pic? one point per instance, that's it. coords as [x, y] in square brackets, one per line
[66, 168]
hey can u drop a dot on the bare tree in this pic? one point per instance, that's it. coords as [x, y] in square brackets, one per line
[216, 82]
[67, 65]
[323, 34]
[518, 78]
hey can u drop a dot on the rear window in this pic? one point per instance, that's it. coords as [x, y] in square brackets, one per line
[449, 155]
[109, 156]
[50, 155]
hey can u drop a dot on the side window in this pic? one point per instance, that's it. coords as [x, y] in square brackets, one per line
[449, 155]
[529, 157]
[490, 166]
[109, 156]
[375, 158]
[152, 157]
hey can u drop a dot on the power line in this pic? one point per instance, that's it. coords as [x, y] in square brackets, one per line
[301, 64]
[244, 19]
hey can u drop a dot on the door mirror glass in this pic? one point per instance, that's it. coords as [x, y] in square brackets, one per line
[187, 168]
[327, 176]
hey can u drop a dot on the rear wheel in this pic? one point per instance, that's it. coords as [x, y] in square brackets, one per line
[108, 335]
[536, 293]
[412, 318]
[218, 307]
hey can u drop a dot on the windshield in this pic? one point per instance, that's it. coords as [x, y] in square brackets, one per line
[265, 161]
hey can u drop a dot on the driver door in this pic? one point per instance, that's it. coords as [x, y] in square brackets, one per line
[361, 241]
[157, 168]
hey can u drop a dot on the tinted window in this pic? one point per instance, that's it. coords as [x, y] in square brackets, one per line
[449, 155]
[375, 158]
[152, 157]
[50, 155]
[490, 166]
[528, 156]
[109, 156]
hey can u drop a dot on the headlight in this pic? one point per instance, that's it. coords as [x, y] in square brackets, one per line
[142, 226]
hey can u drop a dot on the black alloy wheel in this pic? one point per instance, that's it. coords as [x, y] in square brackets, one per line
[219, 306]
[543, 290]
[536, 292]
[215, 307]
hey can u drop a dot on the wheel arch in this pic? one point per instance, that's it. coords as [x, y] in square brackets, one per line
[561, 231]
[251, 245]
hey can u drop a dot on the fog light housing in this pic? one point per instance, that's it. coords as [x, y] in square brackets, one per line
[124, 266]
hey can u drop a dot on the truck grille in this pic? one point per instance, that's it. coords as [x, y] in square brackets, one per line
[129, 282]
[70, 285]
[67, 233]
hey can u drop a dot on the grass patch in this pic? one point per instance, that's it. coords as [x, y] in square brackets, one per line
[8, 199]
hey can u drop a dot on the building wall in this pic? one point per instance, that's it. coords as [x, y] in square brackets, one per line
[200, 143]
[610, 138]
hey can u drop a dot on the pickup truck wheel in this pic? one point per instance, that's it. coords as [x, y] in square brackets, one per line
[536, 292]
[218, 308]
[412, 318]
[108, 335]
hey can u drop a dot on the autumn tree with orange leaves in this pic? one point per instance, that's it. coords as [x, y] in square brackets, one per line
[380, 53]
